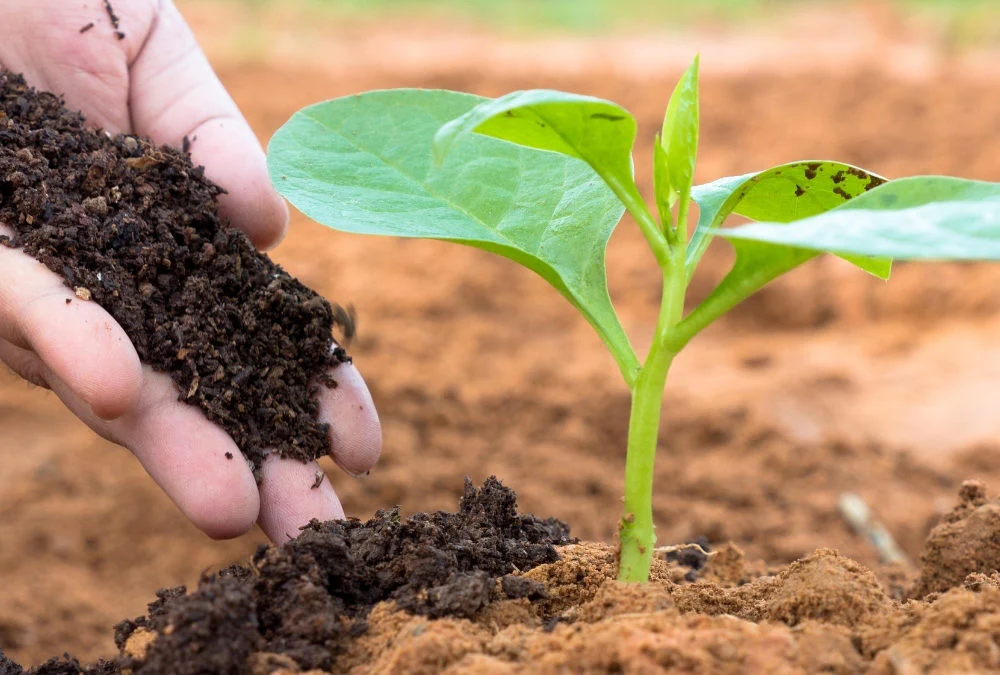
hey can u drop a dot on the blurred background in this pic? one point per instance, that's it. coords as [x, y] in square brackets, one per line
[828, 381]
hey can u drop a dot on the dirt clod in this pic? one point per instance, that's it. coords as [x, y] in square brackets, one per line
[829, 587]
[966, 541]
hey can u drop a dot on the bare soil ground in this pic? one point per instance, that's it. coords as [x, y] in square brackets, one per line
[825, 383]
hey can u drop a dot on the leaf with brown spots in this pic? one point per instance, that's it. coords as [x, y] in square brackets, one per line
[782, 194]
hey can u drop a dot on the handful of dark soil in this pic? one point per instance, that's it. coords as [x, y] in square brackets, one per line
[135, 228]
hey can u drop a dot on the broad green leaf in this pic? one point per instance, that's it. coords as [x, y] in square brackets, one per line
[782, 194]
[599, 132]
[365, 164]
[678, 140]
[918, 218]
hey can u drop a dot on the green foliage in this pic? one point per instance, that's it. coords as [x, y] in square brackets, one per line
[918, 218]
[599, 132]
[364, 164]
[595, 131]
[542, 177]
[781, 194]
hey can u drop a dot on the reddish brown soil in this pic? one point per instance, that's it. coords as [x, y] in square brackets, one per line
[827, 382]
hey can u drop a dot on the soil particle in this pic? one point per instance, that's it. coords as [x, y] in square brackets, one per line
[616, 598]
[576, 578]
[64, 665]
[136, 228]
[727, 567]
[515, 588]
[958, 633]
[826, 649]
[828, 587]
[214, 631]
[115, 21]
[8, 667]
[824, 586]
[304, 601]
[966, 541]
[693, 555]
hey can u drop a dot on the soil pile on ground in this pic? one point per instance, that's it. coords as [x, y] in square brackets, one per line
[299, 606]
[135, 227]
[485, 591]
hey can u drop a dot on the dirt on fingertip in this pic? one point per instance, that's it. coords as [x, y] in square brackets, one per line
[135, 228]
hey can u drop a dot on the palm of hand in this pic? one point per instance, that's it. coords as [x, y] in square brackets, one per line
[156, 82]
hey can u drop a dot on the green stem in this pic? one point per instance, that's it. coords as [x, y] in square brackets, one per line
[721, 301]
[637, 534]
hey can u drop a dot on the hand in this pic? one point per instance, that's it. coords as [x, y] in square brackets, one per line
[156, 82]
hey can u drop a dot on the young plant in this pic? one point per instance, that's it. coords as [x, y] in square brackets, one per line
[543, 177]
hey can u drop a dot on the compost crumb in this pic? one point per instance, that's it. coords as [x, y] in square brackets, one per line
[113, 18]
[135, 228]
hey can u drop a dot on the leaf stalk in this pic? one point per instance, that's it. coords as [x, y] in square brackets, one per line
[635, 205]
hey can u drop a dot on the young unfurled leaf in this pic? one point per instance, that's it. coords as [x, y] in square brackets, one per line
[599, 132]
[365, 164]
[677, 145]
[782, 194]
[918, 218]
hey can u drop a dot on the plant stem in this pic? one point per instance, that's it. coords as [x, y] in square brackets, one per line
[720, 302]
[637, 534]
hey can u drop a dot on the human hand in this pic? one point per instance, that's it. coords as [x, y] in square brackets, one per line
[156, 82]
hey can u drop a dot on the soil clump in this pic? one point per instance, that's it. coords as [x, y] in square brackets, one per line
[135, 228]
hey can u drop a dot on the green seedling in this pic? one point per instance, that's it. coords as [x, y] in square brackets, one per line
[543, 177]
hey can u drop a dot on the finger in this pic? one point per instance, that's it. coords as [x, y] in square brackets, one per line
[76, 339]
[192, 460]
[291, 494]
[355, 430]
[24, 363]
[176, 94]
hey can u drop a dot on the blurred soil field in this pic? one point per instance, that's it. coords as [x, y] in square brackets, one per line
[827, 382]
